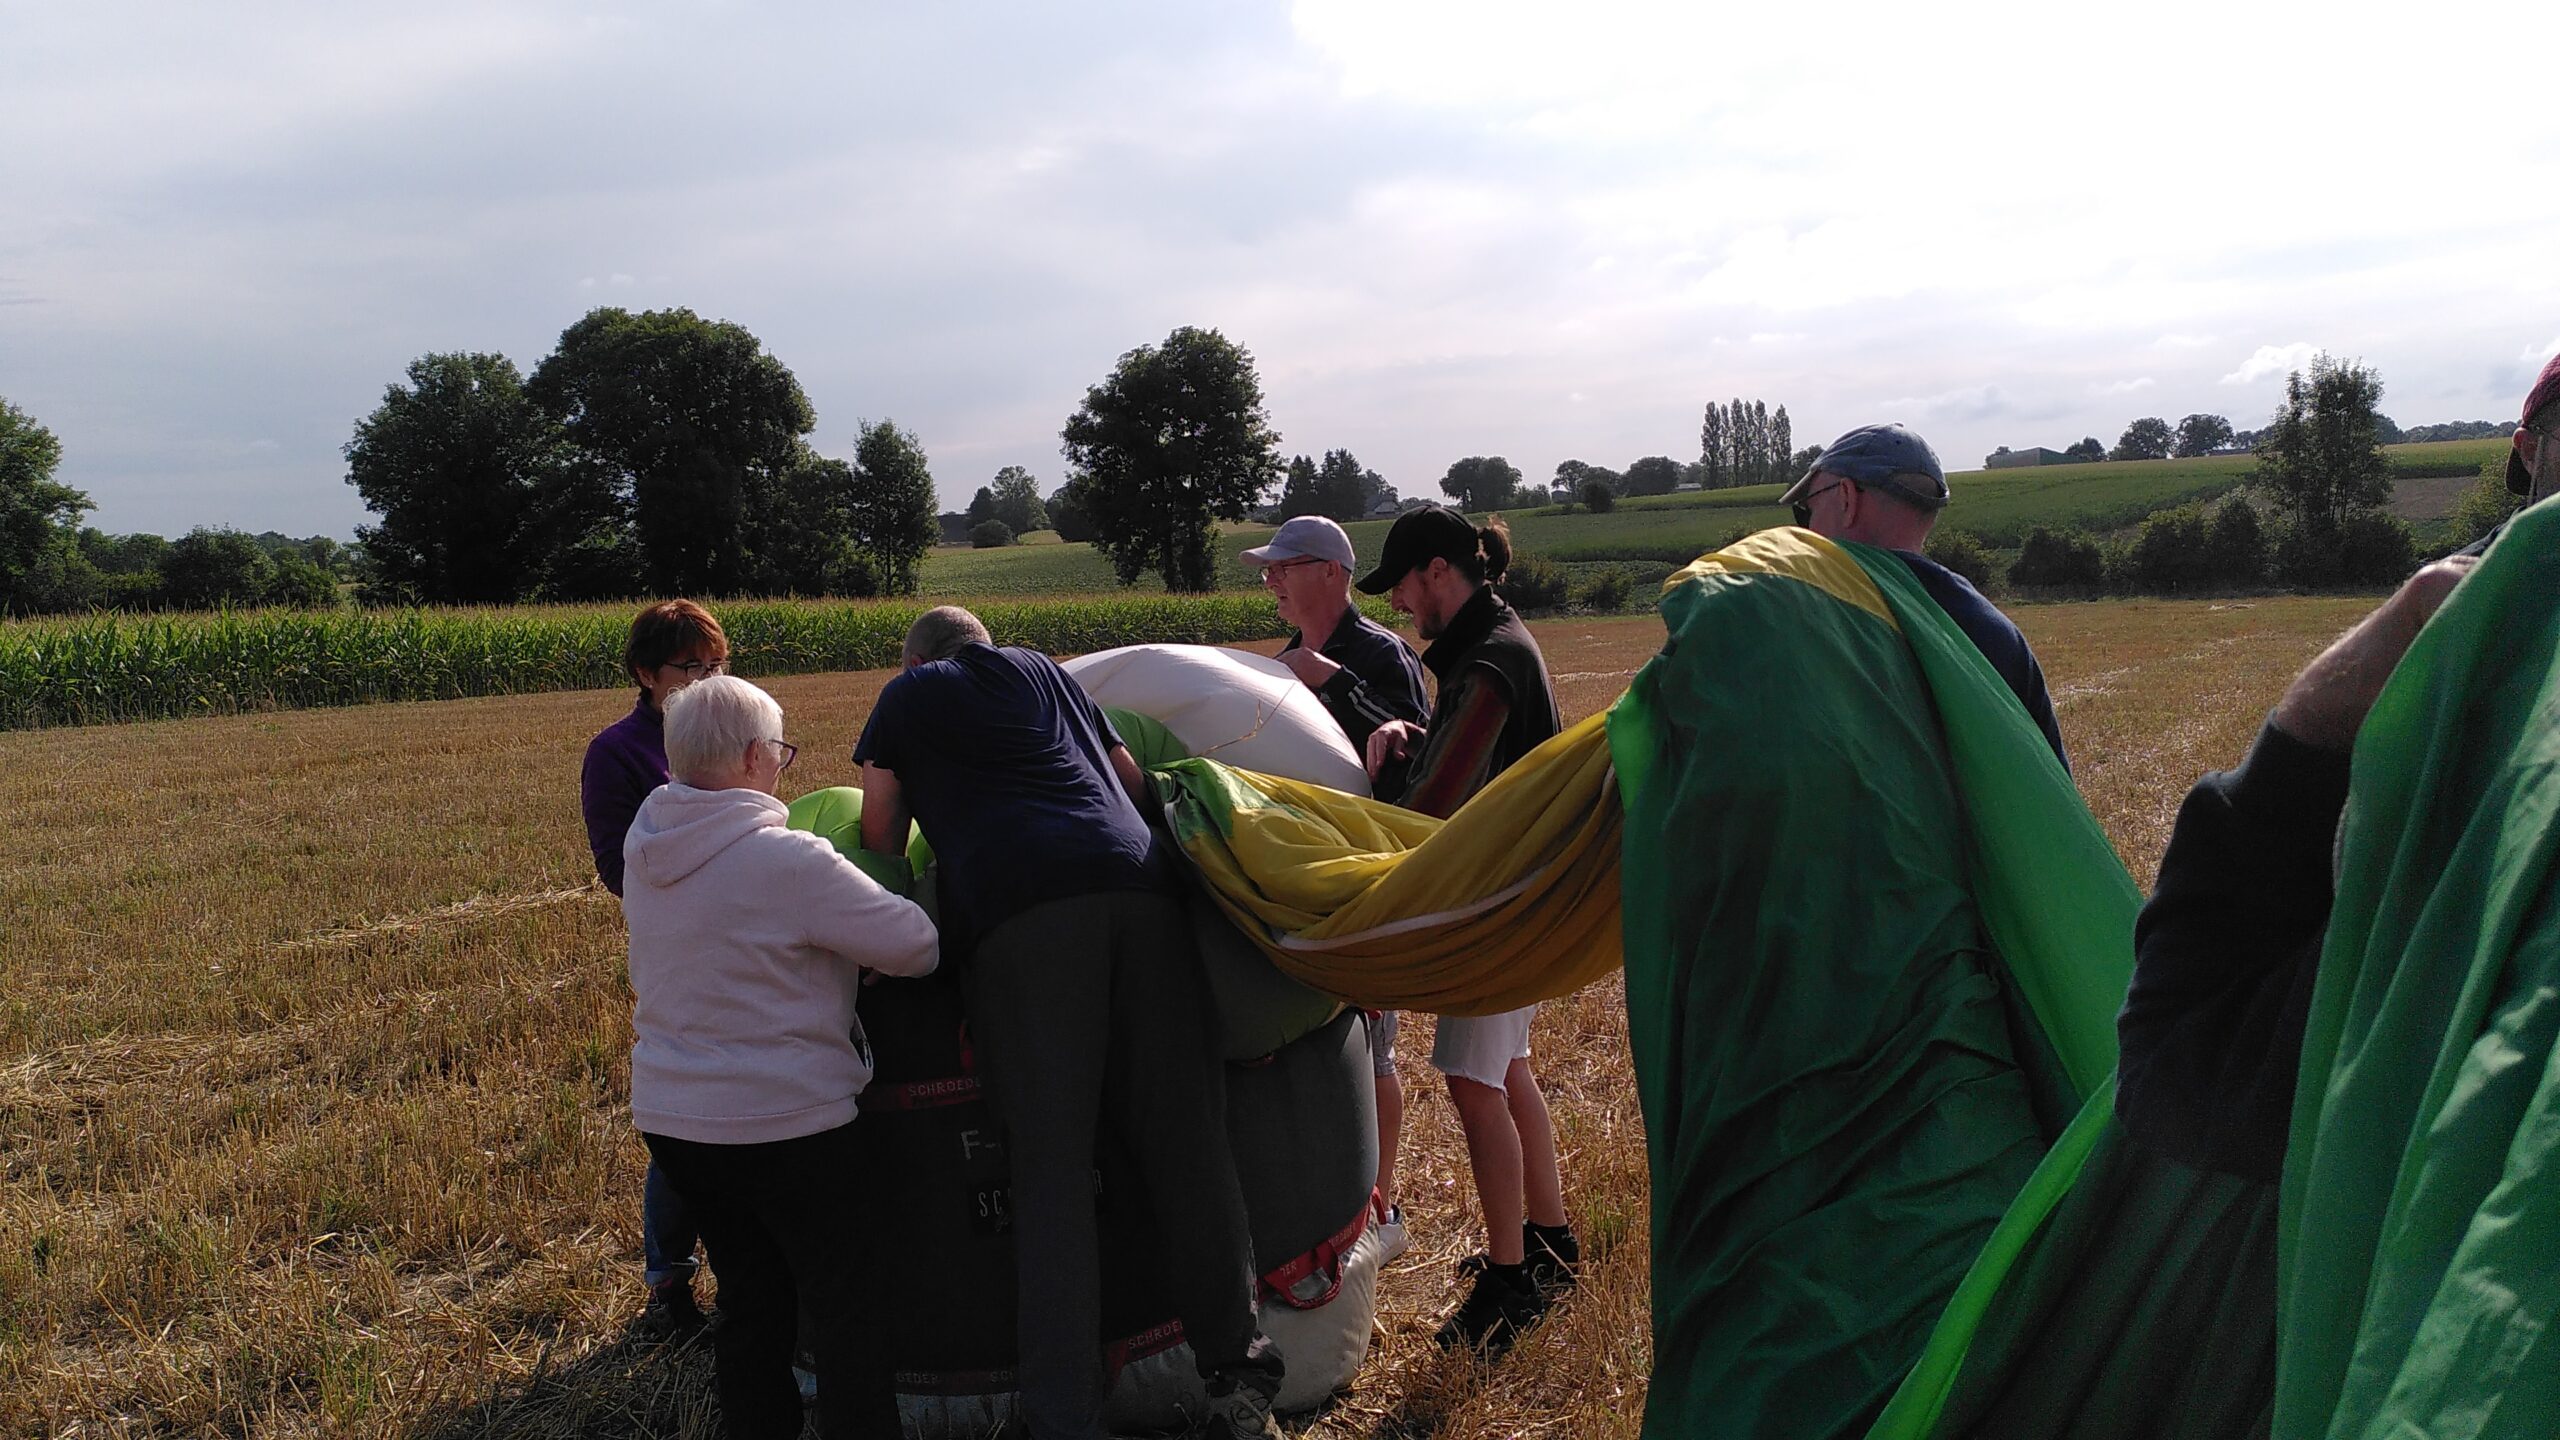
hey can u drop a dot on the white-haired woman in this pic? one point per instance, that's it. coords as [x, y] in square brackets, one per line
[748, 941]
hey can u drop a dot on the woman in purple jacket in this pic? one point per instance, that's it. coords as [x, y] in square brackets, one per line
[673, 643]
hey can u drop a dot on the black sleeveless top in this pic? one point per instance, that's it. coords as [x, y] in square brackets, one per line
[1487, 635]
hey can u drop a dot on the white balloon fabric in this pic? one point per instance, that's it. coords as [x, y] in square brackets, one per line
[1231, 706]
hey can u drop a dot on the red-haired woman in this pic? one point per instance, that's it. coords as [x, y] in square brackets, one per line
[673, 643]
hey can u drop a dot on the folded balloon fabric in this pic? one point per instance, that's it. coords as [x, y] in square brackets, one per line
[1514, 900]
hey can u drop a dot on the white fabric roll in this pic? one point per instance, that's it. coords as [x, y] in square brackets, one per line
[1231, 706]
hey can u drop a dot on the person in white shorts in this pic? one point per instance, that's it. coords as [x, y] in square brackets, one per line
[1496, 704]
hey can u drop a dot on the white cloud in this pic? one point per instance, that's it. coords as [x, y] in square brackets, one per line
[2536, 354]
[2272, 360]
[1428, 219]
[1972, 402]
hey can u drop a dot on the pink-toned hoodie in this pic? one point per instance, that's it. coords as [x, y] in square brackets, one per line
[745, 938]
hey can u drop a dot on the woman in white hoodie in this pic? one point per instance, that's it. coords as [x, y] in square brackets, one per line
[748, 943]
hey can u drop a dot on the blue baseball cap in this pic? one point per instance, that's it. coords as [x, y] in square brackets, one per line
[1881, 457]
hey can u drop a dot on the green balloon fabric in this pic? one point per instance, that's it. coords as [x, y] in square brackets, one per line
[1875, 946]
[2420, 1242]
[835, 815]
[2122, 1295]
[1149, 742]
[1837, 1106]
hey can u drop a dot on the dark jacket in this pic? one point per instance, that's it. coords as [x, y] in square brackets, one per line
[2210, 1038]
[1996, 636]
[1380, 680]
[624, 763]
[1486, 650]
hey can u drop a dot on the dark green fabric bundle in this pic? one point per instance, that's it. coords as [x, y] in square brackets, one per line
[2421, 1221]
[1844, 1086]
[1875, 945]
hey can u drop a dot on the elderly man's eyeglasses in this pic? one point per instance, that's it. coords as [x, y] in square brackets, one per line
[696, 669]
[1271, 573]
[1804, 507]
[788, 751]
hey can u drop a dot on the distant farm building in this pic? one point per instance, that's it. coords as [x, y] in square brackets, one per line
[2032, 455]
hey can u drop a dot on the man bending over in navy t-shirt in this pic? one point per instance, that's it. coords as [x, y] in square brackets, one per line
[1081, 962]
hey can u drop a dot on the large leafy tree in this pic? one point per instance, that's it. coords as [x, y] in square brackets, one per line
[694, 423]
[807, 545]
[1575, 477]
[1016, 498]
[470, 481]
[1066, 513]
[37, 512]
[892, 505]
[1345, 489]
[1298, 492]
[210, 567]
[2201, 435]
[1481, 482]
[2148, 438]
[1652, 475]
[1174, 438]
[2320, 460]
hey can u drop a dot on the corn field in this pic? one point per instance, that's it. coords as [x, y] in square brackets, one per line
[107, 668]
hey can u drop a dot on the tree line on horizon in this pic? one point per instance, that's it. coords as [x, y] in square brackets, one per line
[2153, 438]
[662, 453]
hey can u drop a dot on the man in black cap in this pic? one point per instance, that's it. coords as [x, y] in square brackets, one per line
[1881, 485]
[1496, 705]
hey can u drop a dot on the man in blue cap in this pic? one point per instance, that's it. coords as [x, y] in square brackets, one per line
[1882, 485]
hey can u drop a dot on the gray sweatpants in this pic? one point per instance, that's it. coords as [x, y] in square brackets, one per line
[1092, 1011]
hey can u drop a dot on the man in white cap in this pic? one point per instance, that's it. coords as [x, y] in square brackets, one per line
[1366, 675]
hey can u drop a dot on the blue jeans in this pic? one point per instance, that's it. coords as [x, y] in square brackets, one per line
[667, 1231]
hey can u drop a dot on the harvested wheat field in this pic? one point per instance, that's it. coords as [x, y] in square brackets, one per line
[313, 1063]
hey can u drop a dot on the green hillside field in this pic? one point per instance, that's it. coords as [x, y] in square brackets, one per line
[1999, 507]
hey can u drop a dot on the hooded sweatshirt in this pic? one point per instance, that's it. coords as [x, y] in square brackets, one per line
[746, 936]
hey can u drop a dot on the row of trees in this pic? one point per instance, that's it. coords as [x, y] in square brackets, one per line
[2195, 549]
[2320, 471]
[1744, 443]
[2151, 438]
[1338, 486]
[656, 453]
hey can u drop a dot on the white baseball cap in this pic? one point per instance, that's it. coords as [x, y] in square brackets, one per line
[1304, 537]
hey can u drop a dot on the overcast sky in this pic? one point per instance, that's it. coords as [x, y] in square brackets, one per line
[1545, 231]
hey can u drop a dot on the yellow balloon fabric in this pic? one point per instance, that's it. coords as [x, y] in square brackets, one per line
[1512, 900]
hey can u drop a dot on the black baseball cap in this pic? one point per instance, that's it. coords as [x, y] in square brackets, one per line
[1434, 532]
[1881, 457]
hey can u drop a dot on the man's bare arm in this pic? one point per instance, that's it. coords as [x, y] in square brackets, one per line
[1132, 779]
[2326, 705]
[884, 812]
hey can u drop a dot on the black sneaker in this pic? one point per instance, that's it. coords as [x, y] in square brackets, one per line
[672, 1313]
[1554, 1257]
[1504, 1302]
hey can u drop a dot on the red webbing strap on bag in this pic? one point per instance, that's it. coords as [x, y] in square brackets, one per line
[1323, 1262]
